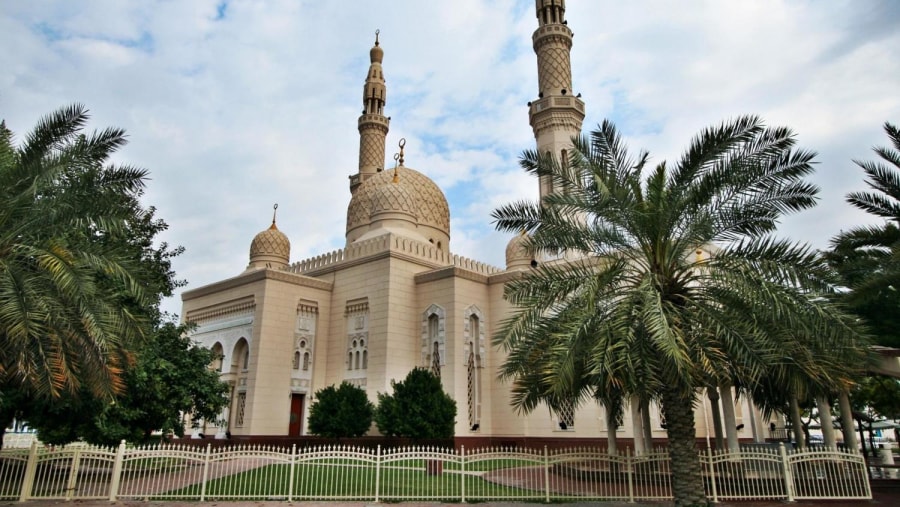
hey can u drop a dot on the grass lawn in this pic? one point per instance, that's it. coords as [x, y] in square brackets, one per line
[399, 480]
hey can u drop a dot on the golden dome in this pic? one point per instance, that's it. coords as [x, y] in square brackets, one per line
[393, 198]
[429, 203]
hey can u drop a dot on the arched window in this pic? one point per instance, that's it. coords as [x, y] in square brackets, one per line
[434, 338]
[240, 356]
[474, 362]
[434, 355]
[218, 357]
[436, 360]
[357, 319]
[304, 337]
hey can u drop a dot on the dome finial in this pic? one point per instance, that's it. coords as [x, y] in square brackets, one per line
[274, 213]
[376, 36]
[402, 145]
[396, 177]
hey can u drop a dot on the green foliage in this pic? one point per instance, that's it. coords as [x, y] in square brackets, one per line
[868, 257]
[344, 411]
[69, 277]
[418, 408]
[170, 377]
[670, 280]
[877, 397]
[80, 287]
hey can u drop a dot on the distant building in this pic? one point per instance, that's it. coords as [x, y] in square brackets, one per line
[395, 297]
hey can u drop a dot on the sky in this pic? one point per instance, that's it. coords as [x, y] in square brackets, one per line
[234, 106]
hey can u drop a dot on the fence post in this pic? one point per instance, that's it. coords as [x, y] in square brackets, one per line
[377, 472]
[546, 476]
[462, 473]
[788, 476]
[205, 473]
[117, 472]
[291, 478]
[30, 472]
[73, 474]
[629, 468]
[712, 474]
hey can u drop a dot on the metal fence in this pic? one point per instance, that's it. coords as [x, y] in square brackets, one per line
[168, 472]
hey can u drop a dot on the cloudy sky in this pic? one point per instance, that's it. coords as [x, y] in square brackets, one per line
[236, 105]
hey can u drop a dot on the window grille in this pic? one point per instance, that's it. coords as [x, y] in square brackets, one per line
[566, 415]
[239, 412]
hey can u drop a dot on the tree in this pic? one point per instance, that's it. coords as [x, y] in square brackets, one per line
[878, 396]
[868, 257]
[339, 412]
[82, 276]
[61, 210]
[419, 408]
[670, 282]
[170, 377]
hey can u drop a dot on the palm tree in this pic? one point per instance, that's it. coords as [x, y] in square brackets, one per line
[61, 208]
[868, 257]
[671, 282]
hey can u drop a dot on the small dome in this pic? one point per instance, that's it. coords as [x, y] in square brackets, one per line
[517, 256]
[270, 249]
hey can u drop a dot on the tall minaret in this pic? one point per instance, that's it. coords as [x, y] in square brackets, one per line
[373, 124]
[557, 114]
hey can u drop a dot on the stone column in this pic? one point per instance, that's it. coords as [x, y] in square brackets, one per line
[611, 427]
[827, 421]
[730, 419]
[796, 424]
[645, 424]
[637, 426]
[713, 395]
[754, 422]
[847, 422]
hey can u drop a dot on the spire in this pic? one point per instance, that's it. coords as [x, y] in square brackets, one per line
[398, 161]
[274, 212]
[372, 124]
[557, 114]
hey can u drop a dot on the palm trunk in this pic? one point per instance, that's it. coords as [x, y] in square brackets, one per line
[611, 427]
[687, 479]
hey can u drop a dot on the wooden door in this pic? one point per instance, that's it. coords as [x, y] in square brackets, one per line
[296, 420]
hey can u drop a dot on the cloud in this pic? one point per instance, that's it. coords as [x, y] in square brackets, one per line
[234, 106]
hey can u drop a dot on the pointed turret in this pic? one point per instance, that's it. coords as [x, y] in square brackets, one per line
[373, 125]
[557, 114]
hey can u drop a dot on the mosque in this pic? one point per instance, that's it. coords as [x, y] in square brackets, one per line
[396, 297]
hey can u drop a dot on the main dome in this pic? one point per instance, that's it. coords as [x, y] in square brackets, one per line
[430, 206]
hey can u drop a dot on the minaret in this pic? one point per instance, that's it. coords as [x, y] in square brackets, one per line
[373, 125]
[557, 114]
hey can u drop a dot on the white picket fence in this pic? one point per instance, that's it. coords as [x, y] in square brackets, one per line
[167, 472]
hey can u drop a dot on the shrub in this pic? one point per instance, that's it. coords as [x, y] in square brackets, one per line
[419, 408]
[344, 411]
